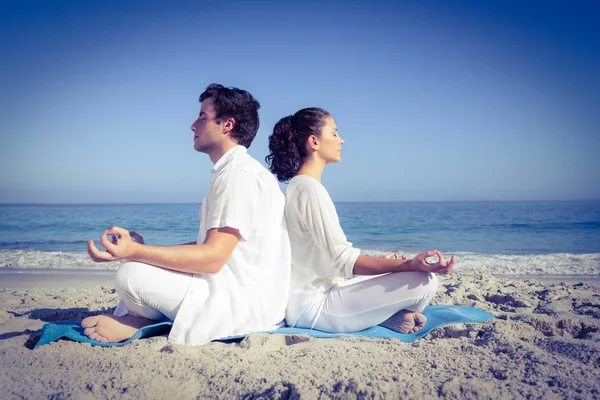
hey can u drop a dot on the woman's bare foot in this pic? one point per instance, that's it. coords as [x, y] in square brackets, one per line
[108, 328]
[405, 322]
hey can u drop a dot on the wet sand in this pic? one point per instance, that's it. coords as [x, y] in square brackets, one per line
[52, 277]
[56, 278]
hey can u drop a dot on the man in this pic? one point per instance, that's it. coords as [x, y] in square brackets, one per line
[235, 278]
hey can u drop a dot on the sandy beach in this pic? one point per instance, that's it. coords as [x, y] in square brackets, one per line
[544, 343]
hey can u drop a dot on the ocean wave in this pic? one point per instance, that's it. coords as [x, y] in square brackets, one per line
[528, 264]
[468, 263]
[47, 259]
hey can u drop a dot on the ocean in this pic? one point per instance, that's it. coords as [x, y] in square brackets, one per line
[502, 238]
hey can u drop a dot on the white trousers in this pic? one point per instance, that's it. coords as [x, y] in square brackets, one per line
[150, 292]
[362, 302]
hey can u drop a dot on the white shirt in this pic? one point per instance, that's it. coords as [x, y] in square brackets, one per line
[250, 292]
[322, 257]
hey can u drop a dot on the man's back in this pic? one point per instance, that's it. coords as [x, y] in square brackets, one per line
[250, 292]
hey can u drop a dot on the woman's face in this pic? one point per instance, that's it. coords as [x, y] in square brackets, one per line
[330, 142]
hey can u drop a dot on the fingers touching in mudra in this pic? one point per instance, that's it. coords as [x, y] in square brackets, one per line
[118, 242]
[421, 263]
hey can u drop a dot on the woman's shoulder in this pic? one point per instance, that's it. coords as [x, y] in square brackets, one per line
[305, 184]
[306, 189]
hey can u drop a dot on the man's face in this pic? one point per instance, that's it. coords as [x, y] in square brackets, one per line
[207, 131]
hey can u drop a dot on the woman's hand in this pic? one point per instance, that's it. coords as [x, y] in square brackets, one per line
[136, 237]
[420, 263]
[394, 256]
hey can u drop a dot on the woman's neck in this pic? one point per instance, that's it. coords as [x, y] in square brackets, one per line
[312, 168]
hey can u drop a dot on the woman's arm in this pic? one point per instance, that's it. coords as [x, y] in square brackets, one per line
[367, 265]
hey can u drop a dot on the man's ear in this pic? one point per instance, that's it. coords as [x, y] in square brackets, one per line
[313, 142]
[228, 125]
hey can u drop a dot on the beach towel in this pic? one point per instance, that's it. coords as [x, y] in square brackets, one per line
[53, 331]
[437, 316]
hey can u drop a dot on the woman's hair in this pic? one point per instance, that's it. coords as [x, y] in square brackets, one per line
[288, 141]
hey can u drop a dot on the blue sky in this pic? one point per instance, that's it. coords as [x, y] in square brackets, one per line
[436, 100]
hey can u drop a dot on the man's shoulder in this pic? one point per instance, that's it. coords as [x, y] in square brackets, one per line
[245, 168]
[246, 165]
[244, 161]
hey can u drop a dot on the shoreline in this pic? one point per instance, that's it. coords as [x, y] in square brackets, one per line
[25, 278]
[60, 277]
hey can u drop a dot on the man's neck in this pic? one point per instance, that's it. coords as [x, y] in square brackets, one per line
[216, 154]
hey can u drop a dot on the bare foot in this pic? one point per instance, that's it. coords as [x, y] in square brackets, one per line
[420, 320]
[108, 328]
[405, 322]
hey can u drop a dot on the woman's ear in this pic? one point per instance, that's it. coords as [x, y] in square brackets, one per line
[313, 142]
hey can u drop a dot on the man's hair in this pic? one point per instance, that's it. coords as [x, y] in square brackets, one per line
[237, 104]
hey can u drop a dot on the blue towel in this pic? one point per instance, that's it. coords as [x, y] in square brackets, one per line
[437, 315]
[53, 331]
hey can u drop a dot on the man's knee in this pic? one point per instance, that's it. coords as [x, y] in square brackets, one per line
[125, 274]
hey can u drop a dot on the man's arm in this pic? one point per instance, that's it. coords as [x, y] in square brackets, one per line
[206, 258]
[139, 239]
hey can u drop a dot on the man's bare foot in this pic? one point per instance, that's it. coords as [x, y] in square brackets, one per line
[405, 322]
[108, 328]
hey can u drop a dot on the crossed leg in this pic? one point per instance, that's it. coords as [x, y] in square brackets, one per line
[109, 328]
[394, 301]
[148, 294]
[405, 322]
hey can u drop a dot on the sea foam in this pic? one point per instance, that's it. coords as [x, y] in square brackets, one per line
[528, 264]
[46, 259]
[467, 263]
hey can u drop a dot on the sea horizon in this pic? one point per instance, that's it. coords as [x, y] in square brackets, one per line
[336, 202]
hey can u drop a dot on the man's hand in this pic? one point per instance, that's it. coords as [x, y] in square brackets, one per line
[120, 246]
[420, 263]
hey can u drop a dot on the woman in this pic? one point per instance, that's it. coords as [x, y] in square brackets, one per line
[327, 290]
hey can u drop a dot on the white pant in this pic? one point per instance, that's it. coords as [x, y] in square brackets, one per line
[150, 292]
[362, 302]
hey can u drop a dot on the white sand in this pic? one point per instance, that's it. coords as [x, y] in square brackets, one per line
[545, 343]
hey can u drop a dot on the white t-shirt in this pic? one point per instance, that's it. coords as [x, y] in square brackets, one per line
[249, 294]
[322, 257]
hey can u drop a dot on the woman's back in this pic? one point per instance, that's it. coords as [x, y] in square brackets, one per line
[321, 255]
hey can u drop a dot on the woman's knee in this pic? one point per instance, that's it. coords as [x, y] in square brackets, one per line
[431, 285]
